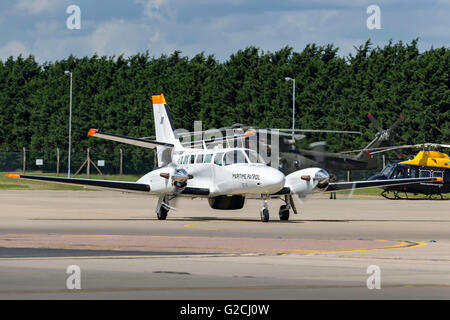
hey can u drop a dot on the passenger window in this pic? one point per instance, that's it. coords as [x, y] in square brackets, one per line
[185, 161]
[192, 159]
[425, 173]
[438, 174]
[199, 159]
[208, 158]
[218, 158]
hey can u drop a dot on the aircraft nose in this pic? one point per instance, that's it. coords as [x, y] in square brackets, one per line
[273, 180]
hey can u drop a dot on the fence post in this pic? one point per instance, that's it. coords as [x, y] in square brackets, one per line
[88, 160]
[121, 161]
[24, 166]
[57, 161]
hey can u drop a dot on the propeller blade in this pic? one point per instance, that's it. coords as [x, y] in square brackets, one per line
[396, 123]
[320, 148]
[375, 122]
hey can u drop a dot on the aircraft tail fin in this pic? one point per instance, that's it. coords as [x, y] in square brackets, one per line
[164, 128]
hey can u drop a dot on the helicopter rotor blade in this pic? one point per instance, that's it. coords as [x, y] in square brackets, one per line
[375, 122]
[410, 146]
[396, 123]
[317, 130]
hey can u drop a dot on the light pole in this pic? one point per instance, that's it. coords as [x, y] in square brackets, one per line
[70, 122]
[293, 104]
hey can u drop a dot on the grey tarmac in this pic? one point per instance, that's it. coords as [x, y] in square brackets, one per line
[124, 252]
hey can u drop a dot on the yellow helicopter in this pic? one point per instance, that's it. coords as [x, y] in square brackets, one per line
[427, 163]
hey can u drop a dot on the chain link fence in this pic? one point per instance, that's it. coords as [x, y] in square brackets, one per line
[97, 162]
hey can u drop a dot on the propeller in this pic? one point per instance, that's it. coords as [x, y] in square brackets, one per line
[178, 178]
[385, 135]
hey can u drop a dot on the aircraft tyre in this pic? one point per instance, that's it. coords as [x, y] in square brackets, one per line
[162, 213]
[284, 213]
[264, 214]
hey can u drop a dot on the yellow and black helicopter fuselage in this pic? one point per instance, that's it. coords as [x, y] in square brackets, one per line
[424, 164]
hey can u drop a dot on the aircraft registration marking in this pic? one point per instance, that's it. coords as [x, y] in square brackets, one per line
[244, 176]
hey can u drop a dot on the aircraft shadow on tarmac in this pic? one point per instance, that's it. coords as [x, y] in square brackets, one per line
[215, 219]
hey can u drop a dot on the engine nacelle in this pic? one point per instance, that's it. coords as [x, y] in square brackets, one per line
[308, 180]
[227, 202]
[160, 180]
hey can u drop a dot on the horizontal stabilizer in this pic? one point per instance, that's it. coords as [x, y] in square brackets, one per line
[104, 184]
[151, 144]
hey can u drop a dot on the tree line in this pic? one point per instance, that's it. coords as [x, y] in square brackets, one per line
[332, 92]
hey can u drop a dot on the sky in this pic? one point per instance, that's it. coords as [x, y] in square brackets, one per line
[218, 27]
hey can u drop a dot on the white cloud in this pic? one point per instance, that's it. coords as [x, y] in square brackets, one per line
[38, 6]
[121, 37]
[162, 26]
[13, 48]
[158, 9]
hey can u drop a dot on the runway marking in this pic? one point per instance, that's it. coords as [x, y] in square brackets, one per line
[264, 287]
[273, 252]
[92, 235]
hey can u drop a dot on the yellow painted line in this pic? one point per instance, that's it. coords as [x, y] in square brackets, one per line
[401, 245]
[65, 246]
[200, 228]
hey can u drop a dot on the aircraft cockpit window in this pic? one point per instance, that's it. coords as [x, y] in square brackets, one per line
[218, 158]
[387, 171]
[208, 158]
[192, 159]
[254, 157]
[199, 159]
[185, 160]
[234, 157]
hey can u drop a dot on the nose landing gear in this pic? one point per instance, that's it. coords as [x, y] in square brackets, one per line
[264, 213]
[162, 208]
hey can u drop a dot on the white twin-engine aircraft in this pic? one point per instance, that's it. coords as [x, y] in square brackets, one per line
[225, 176]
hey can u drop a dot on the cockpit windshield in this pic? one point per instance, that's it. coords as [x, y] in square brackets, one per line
[233, 157]
[254, 157]
[387, 171]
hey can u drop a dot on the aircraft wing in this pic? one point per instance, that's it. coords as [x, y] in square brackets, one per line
[336, 186]
[123, 186]
[104, 184]
[151, 144]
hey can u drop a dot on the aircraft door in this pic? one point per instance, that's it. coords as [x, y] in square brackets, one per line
[399, 173]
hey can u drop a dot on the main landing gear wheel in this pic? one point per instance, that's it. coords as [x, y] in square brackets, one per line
[264, 214]
[162, 213]
[284, 213]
